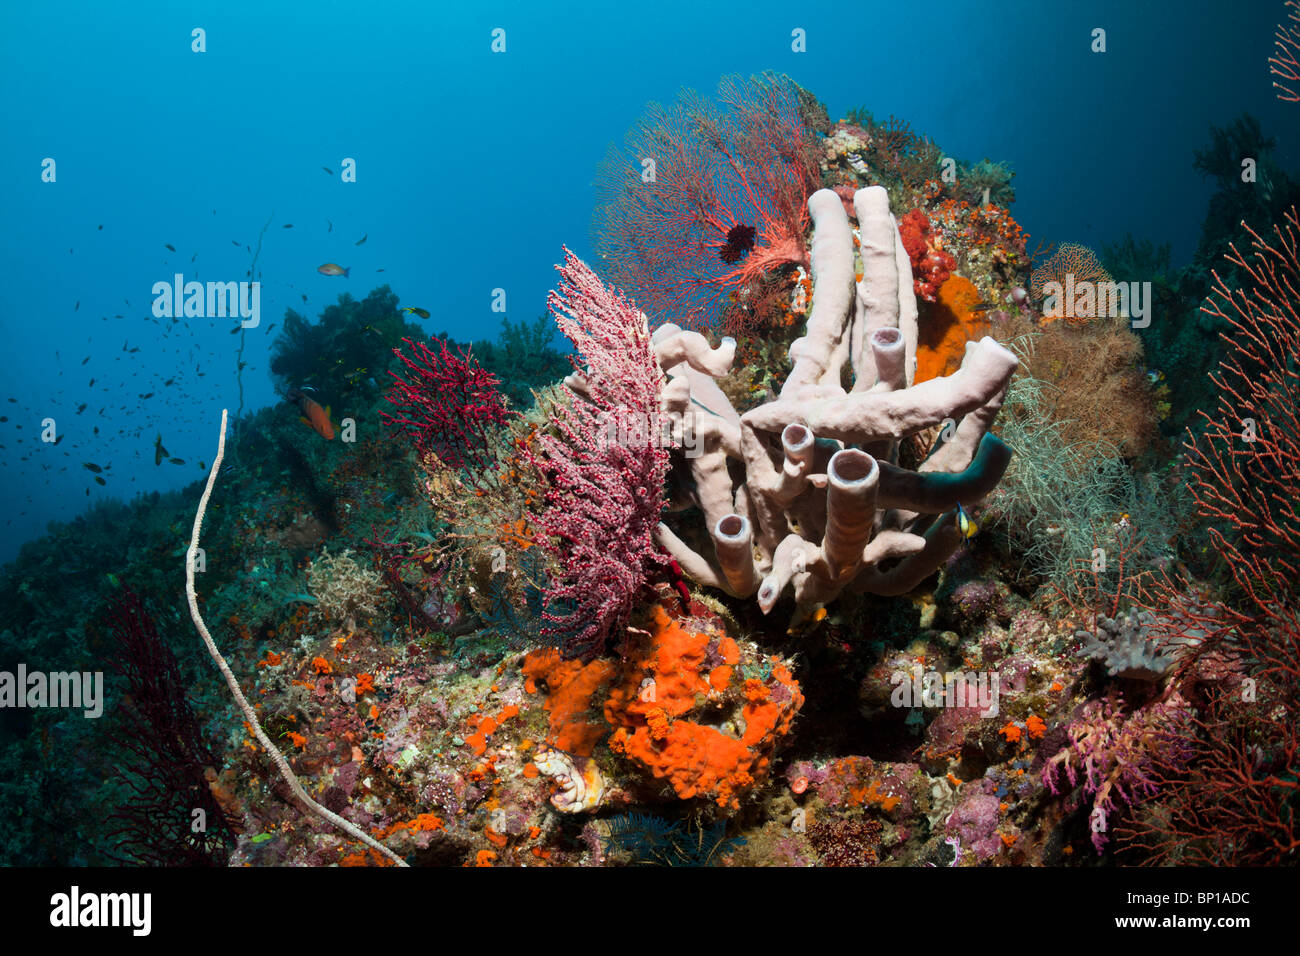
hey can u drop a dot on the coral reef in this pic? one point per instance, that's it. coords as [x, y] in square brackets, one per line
[531, 621]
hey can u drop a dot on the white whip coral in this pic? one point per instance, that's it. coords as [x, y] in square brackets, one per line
[329, 816]
[606, 469]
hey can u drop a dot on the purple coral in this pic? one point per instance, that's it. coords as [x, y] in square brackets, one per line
[1116, 755]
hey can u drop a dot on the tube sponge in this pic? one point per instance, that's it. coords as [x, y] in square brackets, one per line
[822, 503]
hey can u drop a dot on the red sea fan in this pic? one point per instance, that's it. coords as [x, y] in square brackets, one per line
[704, 198]
[1245, 463]
[449, 405]
[605, 467]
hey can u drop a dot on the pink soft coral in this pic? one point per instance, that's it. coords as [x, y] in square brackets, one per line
[1118, 753]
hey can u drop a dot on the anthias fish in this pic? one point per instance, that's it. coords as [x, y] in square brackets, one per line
[332, 269]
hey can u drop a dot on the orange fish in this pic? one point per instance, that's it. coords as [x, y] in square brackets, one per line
[330, 269]
[312, 414]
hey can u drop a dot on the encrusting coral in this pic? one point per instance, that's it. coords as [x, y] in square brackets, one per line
[823, 504]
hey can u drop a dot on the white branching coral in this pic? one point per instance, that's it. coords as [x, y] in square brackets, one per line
[823, 504]
[343, 588]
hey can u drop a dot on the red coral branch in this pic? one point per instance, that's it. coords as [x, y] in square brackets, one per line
[1286, 62]
[448, 406]
[1246, 464]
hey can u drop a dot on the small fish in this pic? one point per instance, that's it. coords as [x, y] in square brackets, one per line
[170, 247]
[422, 313]
[175, 461]
[92, 384]
[331, 225]
[101, 227]
[77, 306]
[100, 480]
[287, 225]
[379, 270]
[91, 466]
[234, 242]
[966, 525]
[328, 170]
[203, 466]
[235, 329]
[146, 395]
[81, 408]
[304, 299]
[85, 360]
[168, 382]
[159, 452]
[362, 239]
[1155, 375]
[331, 269]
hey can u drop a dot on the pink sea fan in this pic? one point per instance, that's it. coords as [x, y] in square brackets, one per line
[605, 467]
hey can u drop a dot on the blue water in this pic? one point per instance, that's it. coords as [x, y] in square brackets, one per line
[474, 168]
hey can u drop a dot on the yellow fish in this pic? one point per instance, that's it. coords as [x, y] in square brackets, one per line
[422, 313]
[965, 523]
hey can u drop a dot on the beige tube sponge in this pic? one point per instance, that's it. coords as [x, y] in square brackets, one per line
[823, 505]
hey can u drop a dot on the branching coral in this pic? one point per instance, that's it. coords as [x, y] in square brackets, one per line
[822, 505]
[448, 405]
[1115, 754]
[1070, 267]
[605, 466]
[168, 755]
[1285, 61]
